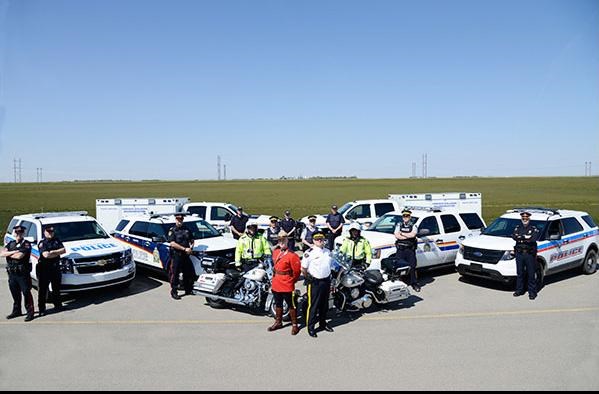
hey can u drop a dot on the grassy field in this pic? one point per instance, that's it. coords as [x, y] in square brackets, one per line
[304, 197]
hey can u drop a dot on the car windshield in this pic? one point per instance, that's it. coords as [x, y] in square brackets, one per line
[504, 227]
[78, 231]
[387, 223]
[345, 208]
[199, 229]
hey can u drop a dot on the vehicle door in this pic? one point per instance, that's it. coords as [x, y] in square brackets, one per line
[428, 252]
[360, 213]
[569, 248]
[220, 217]
[453, 234]
[141, 244]
[158, 245]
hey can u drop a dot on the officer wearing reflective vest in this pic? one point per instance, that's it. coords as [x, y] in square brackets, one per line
[316, 268]
[18, 266]
[287, 269]
[48, 270]
[251, 246]
[356, 247]
[406, 244]
[308, 233]
[526, 235]
[181, 243]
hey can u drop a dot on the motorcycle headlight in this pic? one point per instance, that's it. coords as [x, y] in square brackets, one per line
[508, 255]
[66, 266]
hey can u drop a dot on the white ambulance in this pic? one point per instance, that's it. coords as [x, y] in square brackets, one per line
[93, 258]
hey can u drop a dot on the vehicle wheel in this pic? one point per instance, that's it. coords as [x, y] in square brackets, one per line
[540, 275]
[590, 263]
[216, 303]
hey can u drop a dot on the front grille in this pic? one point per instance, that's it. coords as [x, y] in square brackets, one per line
[94, 265]
[482, 255]
[226, 253]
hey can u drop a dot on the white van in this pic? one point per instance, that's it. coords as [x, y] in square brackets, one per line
[93, 258]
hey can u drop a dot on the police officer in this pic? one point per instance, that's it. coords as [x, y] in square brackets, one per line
[406, 244]
[526, 235]
[356, 247]
[17, 253]
[308, 233]
[250, 247]
[48, 270]
[238, 222]
[181, 243]
[316, 268]
[289, 225]
[272, 232]
[287, 268]
[335, 224]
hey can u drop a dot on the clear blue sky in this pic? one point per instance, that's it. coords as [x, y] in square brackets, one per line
[120, 88]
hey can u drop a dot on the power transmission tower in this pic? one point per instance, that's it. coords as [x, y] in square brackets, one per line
[20, 172]
[425, 165]
[413, 169]
[15, 169]
[218, 166]
[225, 172]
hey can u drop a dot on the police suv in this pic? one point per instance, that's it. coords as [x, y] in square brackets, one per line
[93, 259]
[567, 239]
[147, 236]
[440, 233]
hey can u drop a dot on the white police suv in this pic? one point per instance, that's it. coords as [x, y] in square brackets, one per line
[147, 236]
[440, 232]
[568, 239]
[93, 259]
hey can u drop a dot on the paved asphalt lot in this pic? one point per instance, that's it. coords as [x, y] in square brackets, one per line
[453, 335]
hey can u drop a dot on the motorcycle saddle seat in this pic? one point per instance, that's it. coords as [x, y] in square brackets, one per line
[373, 277]
[233, 273]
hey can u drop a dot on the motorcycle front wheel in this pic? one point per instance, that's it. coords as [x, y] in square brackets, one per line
[216, 303]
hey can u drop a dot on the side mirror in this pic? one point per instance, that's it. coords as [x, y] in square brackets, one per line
[158, 239]
[555, 237]
[424, 232]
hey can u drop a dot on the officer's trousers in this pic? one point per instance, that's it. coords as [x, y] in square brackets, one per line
[409, 255]
[526, 266]
[331, 238]
[318, 302]
[181, 263]
[21, 285]
[48, 273]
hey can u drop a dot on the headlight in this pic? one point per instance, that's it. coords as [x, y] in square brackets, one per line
[376, 254]
[508, 255]
[66, 266]
[127, 256]
[461, 250]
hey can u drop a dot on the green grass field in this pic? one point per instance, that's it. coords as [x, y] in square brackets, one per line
[304, 197]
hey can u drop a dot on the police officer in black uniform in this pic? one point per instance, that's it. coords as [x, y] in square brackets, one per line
[526, 236]
[406, 244]
[238, 222]
[335, 224]
[18, 266]
[48, 270]
[181, 243]
[289, 225]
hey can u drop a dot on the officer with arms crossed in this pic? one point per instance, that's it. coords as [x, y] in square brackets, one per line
[316, 268]
[238, 222]
[309, 232]
[250, 247]
[17, 255]
[335, 224]
[356, 247]
[272, 232]
[526, 236]
[48, 270]
[406, 244]
[287, 268]
[181, 243]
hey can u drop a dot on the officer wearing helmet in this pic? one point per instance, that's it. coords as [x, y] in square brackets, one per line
[251, 246]
[17, 253]
[406, 244]
[356, 247]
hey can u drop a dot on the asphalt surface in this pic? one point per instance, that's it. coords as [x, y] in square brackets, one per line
[453, 335]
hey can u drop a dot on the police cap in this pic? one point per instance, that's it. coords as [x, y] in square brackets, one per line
[406, 212]
[19, 229]
[318, 235]
[333, 206]
[311, 217]
[525, 213]
[274, 218]
[49, 228]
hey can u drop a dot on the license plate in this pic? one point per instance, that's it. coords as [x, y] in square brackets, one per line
[476, 267]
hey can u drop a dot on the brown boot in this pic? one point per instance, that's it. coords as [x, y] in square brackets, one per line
[278, 320]
[294, 326]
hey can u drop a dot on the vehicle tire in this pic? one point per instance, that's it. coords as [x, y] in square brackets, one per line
[216, 303]
[540, 275]
[589, 265]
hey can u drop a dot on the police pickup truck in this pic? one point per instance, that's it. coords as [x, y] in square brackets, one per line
[93, 259]
[147, 236]
[219, 214]
[568, 239]
[440, 233]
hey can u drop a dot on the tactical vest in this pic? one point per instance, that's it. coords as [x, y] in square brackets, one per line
[310, 234]
[406, 243]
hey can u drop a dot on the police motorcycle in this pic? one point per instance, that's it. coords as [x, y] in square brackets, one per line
[222, 284]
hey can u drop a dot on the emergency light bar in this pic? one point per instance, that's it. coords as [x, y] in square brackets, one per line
[535, 209]
[58, 214]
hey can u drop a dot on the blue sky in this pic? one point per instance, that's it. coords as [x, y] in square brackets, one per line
[121, 89]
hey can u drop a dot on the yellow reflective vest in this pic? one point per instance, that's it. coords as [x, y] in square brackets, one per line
[251, 247]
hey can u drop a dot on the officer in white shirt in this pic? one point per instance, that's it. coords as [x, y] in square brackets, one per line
[316, 268]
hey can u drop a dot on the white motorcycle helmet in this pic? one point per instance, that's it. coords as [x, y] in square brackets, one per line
[354, 226]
